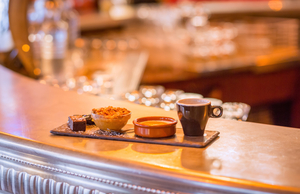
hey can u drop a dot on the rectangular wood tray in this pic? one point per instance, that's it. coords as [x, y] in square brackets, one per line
[128, 135]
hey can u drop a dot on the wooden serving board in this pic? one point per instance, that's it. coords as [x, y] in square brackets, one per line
[128, 134]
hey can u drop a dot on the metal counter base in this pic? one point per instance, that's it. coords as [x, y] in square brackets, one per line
[50, 171]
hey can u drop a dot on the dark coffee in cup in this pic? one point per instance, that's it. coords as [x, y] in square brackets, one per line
[193, 114]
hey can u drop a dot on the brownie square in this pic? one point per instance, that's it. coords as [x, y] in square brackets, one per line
[77, 123]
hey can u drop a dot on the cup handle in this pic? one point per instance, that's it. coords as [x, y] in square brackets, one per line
[213, 115]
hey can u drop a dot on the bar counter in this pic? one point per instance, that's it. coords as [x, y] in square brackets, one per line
[245, 158]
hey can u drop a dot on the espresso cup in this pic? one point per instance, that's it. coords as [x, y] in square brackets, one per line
[193, 114]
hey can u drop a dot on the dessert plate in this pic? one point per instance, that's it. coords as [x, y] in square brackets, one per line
[127, 134]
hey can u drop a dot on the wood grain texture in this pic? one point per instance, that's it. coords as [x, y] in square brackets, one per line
[253, 157]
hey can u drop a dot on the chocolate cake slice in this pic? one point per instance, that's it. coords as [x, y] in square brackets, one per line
[77, 123]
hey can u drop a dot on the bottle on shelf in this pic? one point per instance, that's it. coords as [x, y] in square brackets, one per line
[54, 44]
[70, 15]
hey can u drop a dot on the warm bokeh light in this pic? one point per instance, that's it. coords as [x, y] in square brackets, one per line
[79, 43]
[25, 47]
[121, 12]
[37, 71]
[49, 4]
[110, 44]
[275, 5]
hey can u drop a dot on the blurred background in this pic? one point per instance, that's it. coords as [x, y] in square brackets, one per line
[242, 55]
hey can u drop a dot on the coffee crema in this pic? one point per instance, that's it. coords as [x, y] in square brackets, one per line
[193, 102]
[155, 122]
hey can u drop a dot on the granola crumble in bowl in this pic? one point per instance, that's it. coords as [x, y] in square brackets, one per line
[110, 118]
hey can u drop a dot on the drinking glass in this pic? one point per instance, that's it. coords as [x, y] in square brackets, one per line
[235, 111]
[169, 98]
[105, 82]
[151, 94]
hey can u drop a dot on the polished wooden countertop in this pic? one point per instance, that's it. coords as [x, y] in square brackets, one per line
[246, 156]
